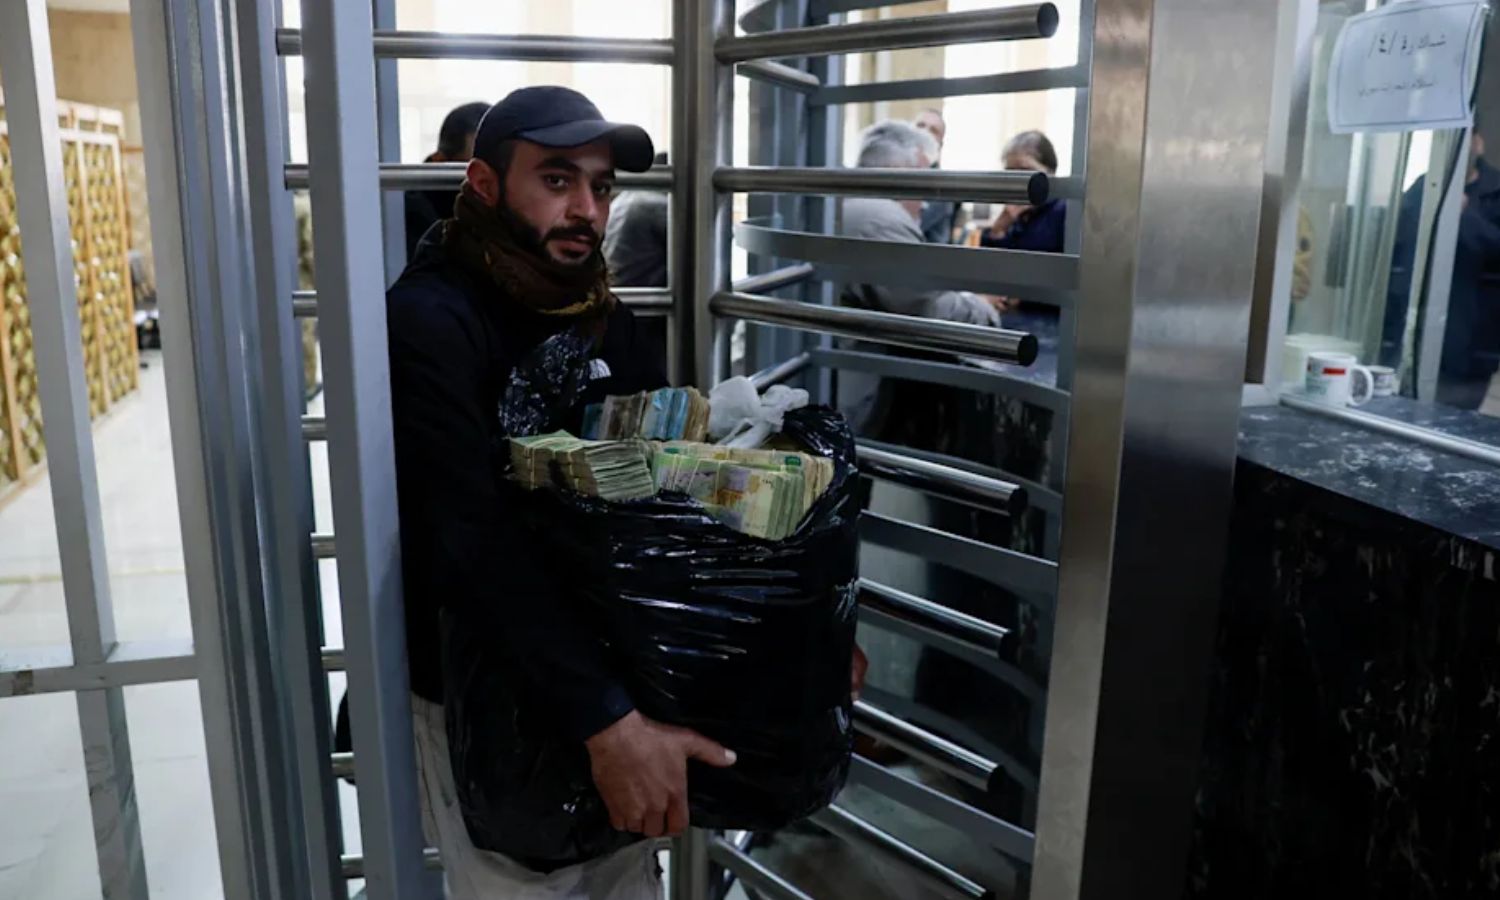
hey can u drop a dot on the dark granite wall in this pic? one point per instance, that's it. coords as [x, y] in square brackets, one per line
[1353, 740]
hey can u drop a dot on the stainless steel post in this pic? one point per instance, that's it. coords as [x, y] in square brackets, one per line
[346, 222]
[1180, 96]
[709, 145]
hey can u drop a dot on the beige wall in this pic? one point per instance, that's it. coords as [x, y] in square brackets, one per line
[94, 63]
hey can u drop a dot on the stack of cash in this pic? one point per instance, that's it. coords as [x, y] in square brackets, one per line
[764, 493]
[670, 414]
[612, 470]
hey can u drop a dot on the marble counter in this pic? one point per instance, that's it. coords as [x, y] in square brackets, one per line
[1352, 746]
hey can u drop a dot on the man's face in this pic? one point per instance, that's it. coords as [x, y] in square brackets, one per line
[933, 124]
[564, 194]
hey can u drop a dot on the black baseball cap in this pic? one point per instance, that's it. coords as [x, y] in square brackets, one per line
[560, 117]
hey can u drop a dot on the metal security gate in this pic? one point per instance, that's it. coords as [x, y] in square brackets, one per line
[1153, 293]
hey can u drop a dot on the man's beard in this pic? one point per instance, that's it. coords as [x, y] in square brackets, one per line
[533, 241]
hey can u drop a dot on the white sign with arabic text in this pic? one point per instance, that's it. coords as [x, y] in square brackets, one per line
[1406, 66]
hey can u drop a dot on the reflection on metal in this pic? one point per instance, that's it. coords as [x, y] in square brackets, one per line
[895, 184]
[943, 481]
[956, 375]
[527, 48]
[323, 546]
[774, 280]
[50, 670]
[752, 875]
[885, 328]
[342, 765]
[689, 864]
[1032, 576]
[942, 879]
[779, 74]
[333, 659]
[781, 372]
[314, 428]
[354, 866]
[1178, 120]
[940, 753]
[1011, 840]
[305, 304]
[1040, 277]
[1011, 23]
[1416, 433]
[931, 88]
[448, 176]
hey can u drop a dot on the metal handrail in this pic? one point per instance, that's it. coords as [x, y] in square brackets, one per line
[944, 880]
[896, 184]
[353, 865]
[752, 873]
[975, 632]
[943, 481]
[779, 74]
[1011, 23]
[438, 176]
[1050, 278]
[645, 299]
[520, 47]
[775, 280]
[1435, 439]
[1076, 76]
[781, 372]
[921, 744]
[1011, 840]
[906, 331]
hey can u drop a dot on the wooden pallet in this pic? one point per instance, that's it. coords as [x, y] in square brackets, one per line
[99, 220]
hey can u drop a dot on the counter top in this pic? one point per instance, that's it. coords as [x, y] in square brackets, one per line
[1454, 494]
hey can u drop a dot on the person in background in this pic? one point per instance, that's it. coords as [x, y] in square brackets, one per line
[872, 406]
[1471, 335]
[455, 144]
[1019, 227]
[635, 243]
[938, 216]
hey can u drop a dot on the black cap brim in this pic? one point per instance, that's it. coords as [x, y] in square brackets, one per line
[630, 144]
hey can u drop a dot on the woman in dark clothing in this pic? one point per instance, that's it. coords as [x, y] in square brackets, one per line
[1038, 228]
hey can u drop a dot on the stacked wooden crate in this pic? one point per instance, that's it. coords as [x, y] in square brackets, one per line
[100, 224]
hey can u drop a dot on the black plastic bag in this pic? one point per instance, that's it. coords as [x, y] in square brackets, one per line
[745, 640]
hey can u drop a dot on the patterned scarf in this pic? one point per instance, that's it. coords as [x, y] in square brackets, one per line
[494, 241]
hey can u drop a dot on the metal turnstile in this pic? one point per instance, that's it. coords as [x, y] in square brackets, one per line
[1171, 105]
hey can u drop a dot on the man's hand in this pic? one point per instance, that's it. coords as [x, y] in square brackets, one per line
[640, 768]
[857, 672]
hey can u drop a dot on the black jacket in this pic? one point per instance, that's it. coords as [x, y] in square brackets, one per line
[454, 341]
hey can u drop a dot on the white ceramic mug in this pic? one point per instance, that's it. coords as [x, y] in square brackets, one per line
[1385, 381]
[1332, 378]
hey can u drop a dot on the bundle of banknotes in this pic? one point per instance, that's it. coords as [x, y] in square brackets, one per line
[764, 493]
[669, 414]
[613, 470]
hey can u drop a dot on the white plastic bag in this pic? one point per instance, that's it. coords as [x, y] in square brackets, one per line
[740, 417]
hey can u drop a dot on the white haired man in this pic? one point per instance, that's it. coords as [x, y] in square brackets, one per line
[896, 145]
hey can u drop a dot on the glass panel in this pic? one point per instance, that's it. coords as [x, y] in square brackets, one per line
[1398, 252]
